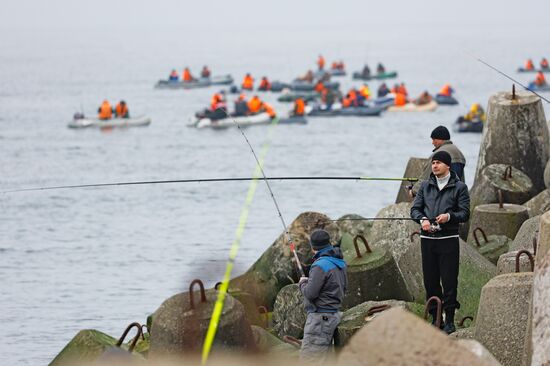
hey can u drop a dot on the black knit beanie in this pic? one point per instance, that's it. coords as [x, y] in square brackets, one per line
[443, 157]
[441, 133]
[319, 239]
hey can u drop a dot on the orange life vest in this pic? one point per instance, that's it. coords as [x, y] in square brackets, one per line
[264, 84]
[446, 90]
[321, 62]
[402, 90]
[121, 110]
[346, 102]
[105, 111]
[529, 65]
[216, 99]
[365, 92]
[254, 105]
[248, 82]
[400, 99]
[269, 109]
[299, 107]
[540, 79]
[319, 87]
[187, 75]
[205, 73]
[544, 63]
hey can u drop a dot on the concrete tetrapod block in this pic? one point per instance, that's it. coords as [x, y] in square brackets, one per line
[507, 263]
[180, 327]
[353, 224]
[359, 316]
[539, 204]
[502, 318]
[515, 186]
[547, 175]
[276, 267]
[289, 314]
[86, 346]
[516, 133]
[268, 343]
[393, 231]
[398, 337]
[415, 167]
[373, 276]
[544, 236]
[527, 235]
[498, 221]
[477, 349]
[541, 313]
[492, 246]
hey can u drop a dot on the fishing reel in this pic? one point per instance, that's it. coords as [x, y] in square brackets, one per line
[435, 227]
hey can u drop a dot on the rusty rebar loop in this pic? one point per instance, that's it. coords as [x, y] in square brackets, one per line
[135, 339]
[438, 314]
[413, 235]
[529, 255]
[356, 245]
[476, 230]
[513, 91]
[500, 199]
[263, 310]
[292, 341]
[468, 317]
[378, 309]
[535, 242]
[507, 172]
[191, 296]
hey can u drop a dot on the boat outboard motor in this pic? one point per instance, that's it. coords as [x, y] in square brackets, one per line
[78, 115]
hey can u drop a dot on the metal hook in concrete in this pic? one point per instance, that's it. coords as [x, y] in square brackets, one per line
[535, 244]
[482, 233]
[529, 255]
[500, 199]
[191, 296]
[413, 234]
[292, 341]
[356, 245]
[378, 309]
[263, 310]
[438, 314]
[507, 173]
[461, 322]
[134, 340]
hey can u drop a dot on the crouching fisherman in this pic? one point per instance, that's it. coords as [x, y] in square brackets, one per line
[324, 292]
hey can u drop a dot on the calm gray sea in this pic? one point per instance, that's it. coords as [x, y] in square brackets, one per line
[102, 258]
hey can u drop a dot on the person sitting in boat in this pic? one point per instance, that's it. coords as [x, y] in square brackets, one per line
[268, 108]
[308, 77]
[174, 76]
[476, 114]
[321, 62]
[121, 110]
[364, 91]
[402, 89]
[319, 87]
[395, 89]
[540, 80]
[351, 99]
[187, 77]
[105, 111]
[337, 65]
[265, 85]
[400, 99]
[241, 106]
[216, 100]
[248, 82]
[544, 64]
[529, 65]
[446, 91]
[365, 73]
[383, 90]
[423, 99]
[299, 107]
[254, 105]
[205, 72]
[380, 69]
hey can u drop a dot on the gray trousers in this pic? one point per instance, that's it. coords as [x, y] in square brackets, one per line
[318, 333]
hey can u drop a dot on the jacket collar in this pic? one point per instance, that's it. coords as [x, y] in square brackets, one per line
[447, 142]
[452, 180]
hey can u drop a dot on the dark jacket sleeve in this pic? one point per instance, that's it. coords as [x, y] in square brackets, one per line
[462, 213]
[312, 287]
[417, 209]
[458, 168]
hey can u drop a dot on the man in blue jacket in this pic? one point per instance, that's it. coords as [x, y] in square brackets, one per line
[441, 204]
[323, 292]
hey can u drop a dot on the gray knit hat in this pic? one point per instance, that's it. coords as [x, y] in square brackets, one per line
[319, 239]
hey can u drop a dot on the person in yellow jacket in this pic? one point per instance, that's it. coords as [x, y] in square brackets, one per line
[365, 91]
[105, 111]
[476, 113]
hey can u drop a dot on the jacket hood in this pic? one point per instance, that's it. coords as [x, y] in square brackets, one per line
[333, 255]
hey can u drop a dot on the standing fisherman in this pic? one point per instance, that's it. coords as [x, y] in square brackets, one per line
[445, 198]
[323, 292]
[441, 140]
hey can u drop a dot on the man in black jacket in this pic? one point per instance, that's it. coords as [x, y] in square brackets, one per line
[441, 204]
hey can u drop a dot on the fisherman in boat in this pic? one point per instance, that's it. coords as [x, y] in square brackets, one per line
[121, 110]
[241, 106]
[540, 80]
[383, 90]
[380, 69]
[321, 62]
[174, 76]
[254, 105]
[105, 111]
[265, 85]
[365, 73]
[544, 64]
[248, 82]
[187, 77]
[299, 107]
[423, 99]
[205, 72]
[446, 91]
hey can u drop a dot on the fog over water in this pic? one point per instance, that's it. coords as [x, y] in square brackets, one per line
[102, 258]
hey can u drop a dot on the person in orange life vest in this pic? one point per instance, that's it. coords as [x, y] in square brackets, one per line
[187, 77]
[269, 109]
[365, 91]
[319, 86]
[340, 65]
[121, 110]
[105, 111]
[205, 72]
[352, 96]
[265, 85]
[346, 102]
[544, 63]
[334, 65]
[321, 62]
[402, 89]
[423, 99]
[529, 65]
[400, 99]
[540, 80]
[395, 89]
[216, 99]
[248, 82]
[173, 76]
[446, 91]
[254, 105]
[299, 107]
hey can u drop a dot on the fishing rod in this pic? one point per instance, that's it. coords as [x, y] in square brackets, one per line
[211, 180]
[510, 78]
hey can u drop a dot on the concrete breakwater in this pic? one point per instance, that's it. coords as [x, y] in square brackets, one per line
[384, 307]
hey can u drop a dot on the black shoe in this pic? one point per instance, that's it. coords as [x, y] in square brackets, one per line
[449, 325]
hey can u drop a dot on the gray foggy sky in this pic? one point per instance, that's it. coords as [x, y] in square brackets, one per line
[79, 14]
